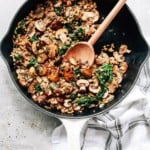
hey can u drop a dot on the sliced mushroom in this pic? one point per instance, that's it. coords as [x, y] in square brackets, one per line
[109, 98]
[90, 16]
[62, 35]
[34, 48]
[119, 77]
[40, 25]
[58, 4]
[82, 84]
[41, 99]
[118, 57]
[45, 38]
[102, 58]
[105, 94]
[67, 103]
[124, 49]
[94, 86]
[52, 50]
[42, 69]
[53, 101]
[113, 61]
[41, 58]
[32, 71]
[94, 89]
[123, 67]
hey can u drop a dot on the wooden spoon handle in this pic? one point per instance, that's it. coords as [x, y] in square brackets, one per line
[106, 22]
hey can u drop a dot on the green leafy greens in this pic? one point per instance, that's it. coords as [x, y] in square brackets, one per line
[63, 49]
[104, 75]
[19, 29]
[33, 38]
[37, 88]
[32, 62]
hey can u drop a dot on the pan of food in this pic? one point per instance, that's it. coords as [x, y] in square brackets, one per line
[71, 90]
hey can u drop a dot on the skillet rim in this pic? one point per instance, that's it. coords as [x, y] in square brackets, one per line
[53, 114]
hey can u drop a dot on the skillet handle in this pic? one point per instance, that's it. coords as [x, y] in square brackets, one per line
[73, 129]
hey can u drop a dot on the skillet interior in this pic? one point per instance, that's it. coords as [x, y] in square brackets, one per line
[123, 30]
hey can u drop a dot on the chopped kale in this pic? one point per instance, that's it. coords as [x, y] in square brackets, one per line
[104, 76]
[69, 26]
[77, 72]
[73, 96]
[33, 38]
[19, 29]
[18, 57]
[79, 34]
[63, 49]
[32, 62]
[37, 88]
[59, 10]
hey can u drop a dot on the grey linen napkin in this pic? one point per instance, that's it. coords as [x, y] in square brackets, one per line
[125, 127]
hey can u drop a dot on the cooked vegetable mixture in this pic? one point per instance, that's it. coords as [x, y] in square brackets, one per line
[39, 43]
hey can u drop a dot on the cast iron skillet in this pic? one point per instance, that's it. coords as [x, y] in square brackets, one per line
[123, 30]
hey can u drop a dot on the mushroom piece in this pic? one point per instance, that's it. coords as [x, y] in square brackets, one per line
[124, 49]
[41, 99]
[94, 89]
[91, 16]
[32, 71]
[41, 58]
[40, 25]
[102, 58]
[67, 103]
[62, 35]
[109, 98]
[58, 4]
[118, 57]
[34, 48]
[94, 86]
[82, 84]
[52, 50]
[45, 38]
[105, 94]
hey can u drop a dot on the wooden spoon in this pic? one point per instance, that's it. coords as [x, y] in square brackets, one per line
[84, 51]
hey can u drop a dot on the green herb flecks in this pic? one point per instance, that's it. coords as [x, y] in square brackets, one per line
[86, 100]
[59, 10]
[63, 49]
[33, 38]
[32, 62]
[69, 26]
[73, 96]
[77, 72]
[79, 34]
[18, 57]
[19, 29]
[74, 2]
[107, 72]
[105, 75]
[37, 88]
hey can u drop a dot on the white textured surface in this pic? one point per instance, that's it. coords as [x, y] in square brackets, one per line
[21, 126]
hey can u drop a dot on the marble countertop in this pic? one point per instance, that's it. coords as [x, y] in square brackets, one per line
[21, 126]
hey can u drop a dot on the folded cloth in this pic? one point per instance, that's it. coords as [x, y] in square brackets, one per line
[125, 127]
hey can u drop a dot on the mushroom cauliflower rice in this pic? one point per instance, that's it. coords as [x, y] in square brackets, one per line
[39, 43]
